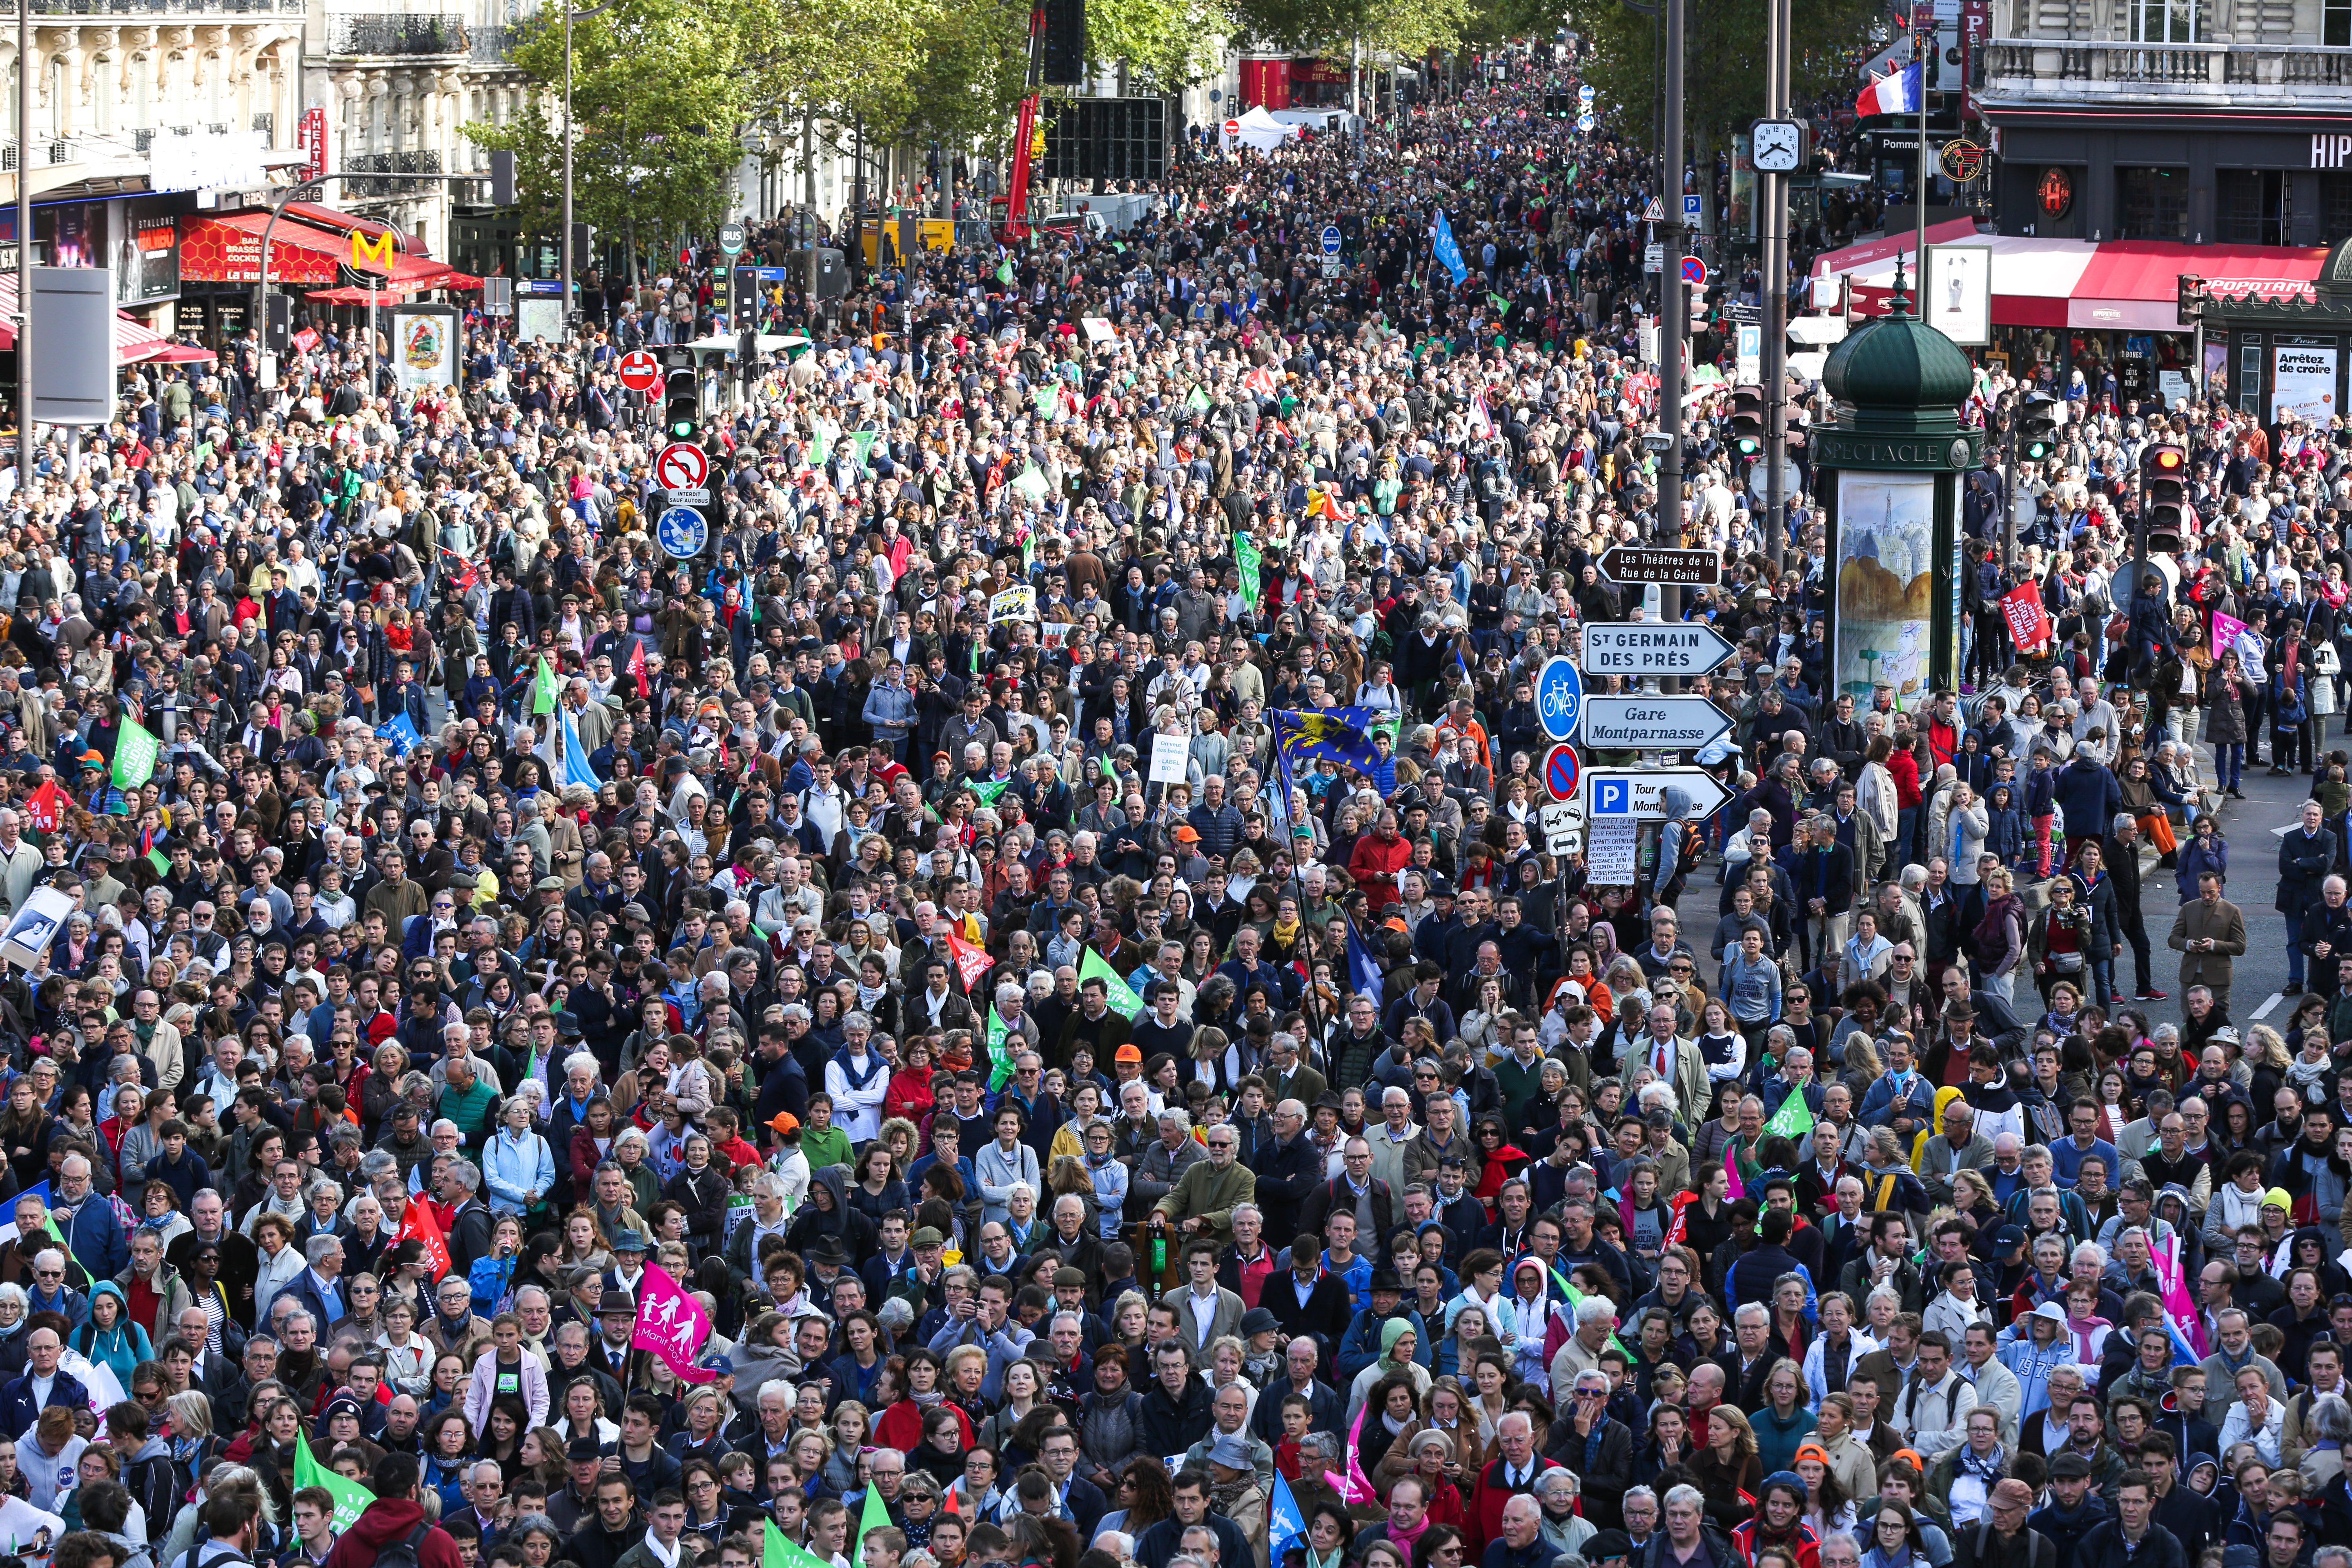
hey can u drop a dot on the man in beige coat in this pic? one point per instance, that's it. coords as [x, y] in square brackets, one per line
[2208, 933]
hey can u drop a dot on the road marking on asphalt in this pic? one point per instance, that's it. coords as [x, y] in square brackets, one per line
[2264, 1010]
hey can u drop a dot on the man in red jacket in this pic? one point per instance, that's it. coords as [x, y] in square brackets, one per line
[393, 1517]
[1514, 1473]
[1379, 856]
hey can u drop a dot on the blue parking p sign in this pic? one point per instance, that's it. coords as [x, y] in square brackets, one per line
[1612, 797]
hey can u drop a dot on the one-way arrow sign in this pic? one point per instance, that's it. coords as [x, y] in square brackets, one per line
[1652, 724]
[1675, 568]
[1622, 793]
[1652, 648]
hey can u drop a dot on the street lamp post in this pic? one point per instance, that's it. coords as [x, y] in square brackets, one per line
[570, 16]
[24, 244]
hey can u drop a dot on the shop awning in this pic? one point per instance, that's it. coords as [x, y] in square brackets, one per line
[2124, 285]
[410, 275]
[310, 245]
[134, 340]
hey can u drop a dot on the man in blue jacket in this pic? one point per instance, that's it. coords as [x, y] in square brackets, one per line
[41, 1385]
[87, 1222]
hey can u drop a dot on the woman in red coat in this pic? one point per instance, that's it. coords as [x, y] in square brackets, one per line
[909, 1094]
[906, 1390]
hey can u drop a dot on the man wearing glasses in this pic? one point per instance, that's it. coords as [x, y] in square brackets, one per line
[1204, 1199]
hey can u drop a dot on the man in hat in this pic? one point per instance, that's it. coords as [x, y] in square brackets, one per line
[1362, 1344]
[575, 1502]
[628, 1271]
[616, 1321]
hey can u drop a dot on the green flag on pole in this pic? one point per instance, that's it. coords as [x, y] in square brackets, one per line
[989, 789]
[875, 1515]
[1000, 1056]
[775, 1551]
[1247, 555]
[134, 755]
[543, 690]
[1048, 402]
[1197, 401]
[1123, 999]
[1793, 1120]
[161, 862]
[351, 1498]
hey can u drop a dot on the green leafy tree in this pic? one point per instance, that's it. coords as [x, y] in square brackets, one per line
[1396, 29]
[659, 105]
[1164, 47]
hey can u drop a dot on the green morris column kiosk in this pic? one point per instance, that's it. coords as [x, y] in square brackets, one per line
[1888, 481]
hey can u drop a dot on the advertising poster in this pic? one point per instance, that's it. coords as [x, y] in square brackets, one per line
[1885, 585]
[2303, 380]
[1959, 293]
[425, 347]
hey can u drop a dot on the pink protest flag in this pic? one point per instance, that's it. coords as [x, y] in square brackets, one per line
[1731, 1169]
[1355, 1486]
[672, 1324]
[2225, 632]
[2177, 1304]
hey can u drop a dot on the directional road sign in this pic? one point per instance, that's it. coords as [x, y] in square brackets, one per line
[1560, 773]
[1641, 793]
[1652, 648]
[1675, 568]
[1653, 723]
[1694, 272]
[639, 371]
[682, 532]
[1330, 240]
[681, 466]
[1560, 695]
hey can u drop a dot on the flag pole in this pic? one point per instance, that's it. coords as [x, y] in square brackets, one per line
[1919, 258]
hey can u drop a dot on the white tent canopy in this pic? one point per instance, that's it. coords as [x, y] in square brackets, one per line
[1261, 131]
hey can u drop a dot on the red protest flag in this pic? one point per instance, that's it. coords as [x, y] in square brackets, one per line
[2029, 619]
[637, 667]
[46, 810]
[417, 1224]
[972, 961]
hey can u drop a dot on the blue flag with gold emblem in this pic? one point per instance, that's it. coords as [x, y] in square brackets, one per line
[1328, 735]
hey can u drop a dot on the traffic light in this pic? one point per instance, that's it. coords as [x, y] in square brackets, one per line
[2037, 430]
[681, 404]
[502, 179]
[277, 323]
[1747, 420]
[1559, 105]
[2163, 495]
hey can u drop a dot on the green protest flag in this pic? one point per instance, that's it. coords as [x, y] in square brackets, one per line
[862, 443]
[820, 446]
[161, 862]
[543, 690]
[1247, 555]
[875, 1515]
[1004, 271]
[999, 1059]
[351, 1498]
[1197, 401]
[1793, 1120]
[134, 755]
[1031, 483]
[776, 1551]
[1123, 999]
[1048, 401]
[989, 789]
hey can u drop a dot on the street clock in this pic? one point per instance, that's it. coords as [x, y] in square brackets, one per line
[1779, 146]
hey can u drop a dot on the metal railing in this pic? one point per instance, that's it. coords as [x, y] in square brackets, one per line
[409, 162]
[2026, 65]
[45, 151]
[412, 35]
[167, 7]
[489, 45]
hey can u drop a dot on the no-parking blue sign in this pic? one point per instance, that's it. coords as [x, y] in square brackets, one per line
[682, 532]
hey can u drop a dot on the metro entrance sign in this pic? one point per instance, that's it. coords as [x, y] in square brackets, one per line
[1653, 648]
[1673, 568]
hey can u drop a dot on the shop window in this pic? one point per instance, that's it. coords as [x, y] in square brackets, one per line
[2254, 207]
[2153, 204]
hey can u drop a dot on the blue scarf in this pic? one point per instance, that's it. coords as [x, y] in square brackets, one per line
[856, 1078]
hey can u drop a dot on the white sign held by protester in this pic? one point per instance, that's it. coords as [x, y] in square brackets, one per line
[1168, 755]
[1609, 852]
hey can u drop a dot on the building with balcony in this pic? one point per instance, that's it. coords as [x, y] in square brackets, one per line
[398, 87]
[2204, 121]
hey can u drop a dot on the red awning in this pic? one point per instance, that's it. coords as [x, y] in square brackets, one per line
[134, 340]
[227, 249]
[2134, 285]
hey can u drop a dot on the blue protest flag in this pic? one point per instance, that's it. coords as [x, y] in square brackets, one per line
[400, 734]
[1363, 969]
[1284, 1522]
[1448, 253]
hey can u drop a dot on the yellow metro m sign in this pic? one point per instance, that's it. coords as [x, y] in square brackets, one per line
[372, 258]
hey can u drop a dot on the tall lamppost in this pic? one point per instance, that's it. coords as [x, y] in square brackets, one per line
[570, 16]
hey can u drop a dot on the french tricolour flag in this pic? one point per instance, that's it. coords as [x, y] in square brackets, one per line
[1896, 94]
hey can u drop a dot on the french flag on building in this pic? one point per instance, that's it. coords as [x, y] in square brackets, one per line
[1896, 94]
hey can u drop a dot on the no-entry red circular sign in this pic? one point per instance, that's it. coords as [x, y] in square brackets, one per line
[1232, 127]
[640, 372]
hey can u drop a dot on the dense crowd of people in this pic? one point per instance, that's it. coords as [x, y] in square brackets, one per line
[1116, 1066]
